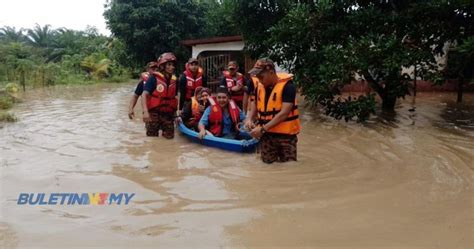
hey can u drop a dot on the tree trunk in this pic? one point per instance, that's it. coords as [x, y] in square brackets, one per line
[23, 81]
[43, 76]
[388, 103]
[414, 83]
[460, 85]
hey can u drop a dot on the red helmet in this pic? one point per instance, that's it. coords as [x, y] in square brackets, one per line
[166, 57]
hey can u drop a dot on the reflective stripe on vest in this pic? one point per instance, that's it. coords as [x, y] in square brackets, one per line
[191, 82]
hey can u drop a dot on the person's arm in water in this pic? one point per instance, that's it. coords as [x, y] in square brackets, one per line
[133, 101]
[203, 123]
[131, 106]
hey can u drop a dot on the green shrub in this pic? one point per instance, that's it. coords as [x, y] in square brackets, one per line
[7, 117]
[6, 102]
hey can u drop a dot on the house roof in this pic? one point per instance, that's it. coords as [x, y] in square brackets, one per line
[219, 39]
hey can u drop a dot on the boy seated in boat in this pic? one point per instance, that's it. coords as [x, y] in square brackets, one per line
[222, 117]
[194, 109]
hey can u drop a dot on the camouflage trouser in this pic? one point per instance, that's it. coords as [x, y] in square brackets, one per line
[160, 121]
[276, 147]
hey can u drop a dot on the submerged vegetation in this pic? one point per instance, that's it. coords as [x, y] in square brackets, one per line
[7, 99]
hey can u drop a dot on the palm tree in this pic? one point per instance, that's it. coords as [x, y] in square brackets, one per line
[10, 34]
[65, 42]
[96, 66]
[13, 57]
[41, 36]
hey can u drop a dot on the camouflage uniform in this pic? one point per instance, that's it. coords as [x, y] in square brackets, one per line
[278, 147]
[160, 121]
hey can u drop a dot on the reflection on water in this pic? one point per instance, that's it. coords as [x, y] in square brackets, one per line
[399, 181]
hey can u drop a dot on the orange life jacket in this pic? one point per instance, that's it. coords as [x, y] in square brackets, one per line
[216, 117]
[230, 82]
[191, 82]
[255, 84]
[164, 96]
[266, 112]
[196, 113]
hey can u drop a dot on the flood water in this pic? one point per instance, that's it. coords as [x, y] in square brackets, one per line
[404, 183]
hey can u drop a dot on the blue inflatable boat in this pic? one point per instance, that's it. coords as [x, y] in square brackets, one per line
[246, 145]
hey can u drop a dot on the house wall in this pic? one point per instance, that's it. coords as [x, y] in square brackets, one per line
[224, 46]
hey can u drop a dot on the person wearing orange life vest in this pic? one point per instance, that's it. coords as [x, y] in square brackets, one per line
[192, 77]
[159, 99]
[222, 117]
[193, 110]
[276, 111]
[151, 67]
[235, 83]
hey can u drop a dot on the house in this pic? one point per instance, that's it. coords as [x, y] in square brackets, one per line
[214, 54]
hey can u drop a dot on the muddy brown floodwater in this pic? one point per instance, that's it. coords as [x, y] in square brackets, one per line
[405, 183]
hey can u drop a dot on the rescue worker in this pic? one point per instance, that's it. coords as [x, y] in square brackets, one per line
[159, 99]
[193, 110]
[276, 111]
[151, 67]
[235, 83]
[222, 117]
[192, 77]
